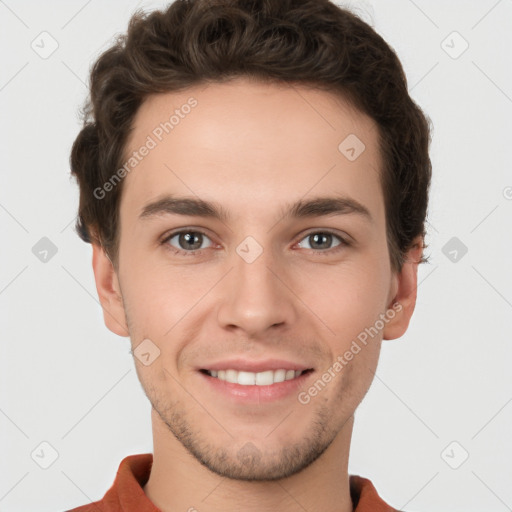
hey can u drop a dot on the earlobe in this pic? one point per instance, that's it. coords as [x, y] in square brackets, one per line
[404, 301]
[109, 293]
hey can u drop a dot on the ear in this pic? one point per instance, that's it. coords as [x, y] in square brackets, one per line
[406, 286]
[109, 292]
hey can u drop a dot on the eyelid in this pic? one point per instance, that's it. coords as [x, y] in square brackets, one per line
[344, 237]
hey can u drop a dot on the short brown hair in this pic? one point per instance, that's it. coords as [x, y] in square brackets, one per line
[313, 42]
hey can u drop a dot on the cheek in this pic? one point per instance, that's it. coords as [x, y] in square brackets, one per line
[148, 285]
[346, 298]
[162, 303]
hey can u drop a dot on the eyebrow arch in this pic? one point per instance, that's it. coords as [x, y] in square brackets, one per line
[315, 207]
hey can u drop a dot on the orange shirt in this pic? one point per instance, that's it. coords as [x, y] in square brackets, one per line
[127, 495]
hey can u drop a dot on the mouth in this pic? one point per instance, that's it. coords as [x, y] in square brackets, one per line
[262, 378]
[243, 381]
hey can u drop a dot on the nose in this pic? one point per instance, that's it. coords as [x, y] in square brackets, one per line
[256, 296]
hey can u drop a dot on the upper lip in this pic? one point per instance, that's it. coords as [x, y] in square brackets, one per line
[247, 365]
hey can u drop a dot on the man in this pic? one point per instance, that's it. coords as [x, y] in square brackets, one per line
[254, 180]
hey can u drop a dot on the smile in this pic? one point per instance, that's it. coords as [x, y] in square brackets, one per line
[264, 378]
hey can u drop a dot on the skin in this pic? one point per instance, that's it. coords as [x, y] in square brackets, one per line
[253, 148]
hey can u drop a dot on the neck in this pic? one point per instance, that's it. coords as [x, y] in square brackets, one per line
[179, 482]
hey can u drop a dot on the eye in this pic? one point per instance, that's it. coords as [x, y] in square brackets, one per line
[188, 241]
[191, 242]
[321, 241]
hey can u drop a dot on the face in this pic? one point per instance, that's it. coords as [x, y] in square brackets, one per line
[244, 303]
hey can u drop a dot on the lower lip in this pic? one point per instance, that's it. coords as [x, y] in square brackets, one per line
[257, 394]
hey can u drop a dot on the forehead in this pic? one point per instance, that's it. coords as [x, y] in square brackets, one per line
[251, 145]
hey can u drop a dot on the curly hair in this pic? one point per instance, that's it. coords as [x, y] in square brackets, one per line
[311, 42]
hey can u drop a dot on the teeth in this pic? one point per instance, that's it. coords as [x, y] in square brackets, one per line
[265, 378]
[279, 375]
[246, 378]
[232, 376]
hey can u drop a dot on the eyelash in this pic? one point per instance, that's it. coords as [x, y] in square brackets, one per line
[321, 252]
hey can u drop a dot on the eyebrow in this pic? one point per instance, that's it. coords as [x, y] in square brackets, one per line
[315, 207]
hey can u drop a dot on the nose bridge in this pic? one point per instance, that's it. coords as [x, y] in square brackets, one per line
[255, 298]
[252, 273]
[253, 264]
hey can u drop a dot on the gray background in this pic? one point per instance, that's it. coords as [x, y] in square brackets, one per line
[442, 392]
